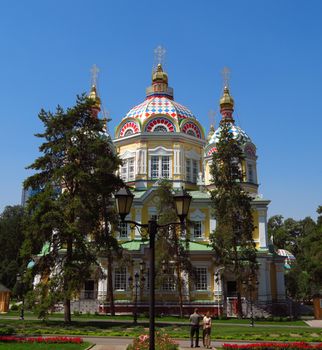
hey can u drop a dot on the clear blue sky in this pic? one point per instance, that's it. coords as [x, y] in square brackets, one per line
[273, 49]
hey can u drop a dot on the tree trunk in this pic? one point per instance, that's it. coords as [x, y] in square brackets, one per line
[180, 290]
[67, 313]
[110, 283]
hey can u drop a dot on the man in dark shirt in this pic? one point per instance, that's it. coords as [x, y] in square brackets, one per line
[194, 327]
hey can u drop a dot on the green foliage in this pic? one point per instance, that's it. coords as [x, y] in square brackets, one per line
[303, 238]
[75, 179]
[172, 255]
[232, 240]
[6, 330]
[11, 237]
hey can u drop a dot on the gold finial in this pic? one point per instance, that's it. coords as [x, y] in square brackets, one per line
[93, 93]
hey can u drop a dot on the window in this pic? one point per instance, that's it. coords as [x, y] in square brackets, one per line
[127, 169]
[128, 132]
[160, 128]
[123, 229]
[194, 171]
[197, 229]
[250, 173]
[120, 278]
[160, 167]
[191, 170]
[188, 169]
[201, 278]
[165, 174]
[168, 281]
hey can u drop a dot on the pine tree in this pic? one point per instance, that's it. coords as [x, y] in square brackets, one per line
[232, 239]
[75, 179]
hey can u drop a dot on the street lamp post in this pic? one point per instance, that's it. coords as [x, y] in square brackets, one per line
[21, 292]
[136, 286]
[124, 199]
[250, 285]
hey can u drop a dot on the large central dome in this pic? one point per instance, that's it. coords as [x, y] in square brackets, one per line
[159, 112]
[156, 105]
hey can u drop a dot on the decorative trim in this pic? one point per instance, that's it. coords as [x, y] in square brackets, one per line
[192, 129]
[161, 121]
[129, 126]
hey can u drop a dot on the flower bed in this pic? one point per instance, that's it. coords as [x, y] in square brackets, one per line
[48, 340]
[273, 346]
[162, 342]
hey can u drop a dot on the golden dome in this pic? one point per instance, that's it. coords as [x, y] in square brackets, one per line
[226, 100]
[94, 96]
[159, 75]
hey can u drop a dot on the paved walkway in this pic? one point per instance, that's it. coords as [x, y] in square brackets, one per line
[314, 323]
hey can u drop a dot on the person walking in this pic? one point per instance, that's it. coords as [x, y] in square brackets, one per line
[206, 326]
[194, 327]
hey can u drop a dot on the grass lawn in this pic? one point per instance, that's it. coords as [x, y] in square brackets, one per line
[37, 346]
[129, 318]
[222, 331]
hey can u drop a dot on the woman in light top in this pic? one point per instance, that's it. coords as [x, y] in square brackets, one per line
[206, 322]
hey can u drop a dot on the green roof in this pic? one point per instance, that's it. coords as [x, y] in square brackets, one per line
[192, 246]
[199, 194]
[134, 245]
[196, 246]
[45, 249]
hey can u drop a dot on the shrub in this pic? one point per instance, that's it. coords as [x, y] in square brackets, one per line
[162, 342]
[5, 330]
[14, 307]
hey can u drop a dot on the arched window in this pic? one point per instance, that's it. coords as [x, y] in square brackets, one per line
[128, 132]
[160, 128]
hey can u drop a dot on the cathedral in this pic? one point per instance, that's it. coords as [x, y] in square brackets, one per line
[161, 139]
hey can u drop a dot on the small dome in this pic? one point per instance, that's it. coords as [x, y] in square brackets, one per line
[238, 134]
[159, 75]
[226, 99]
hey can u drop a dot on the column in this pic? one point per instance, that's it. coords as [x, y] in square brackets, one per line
[138, 218]
[264, 279]
[262, 228]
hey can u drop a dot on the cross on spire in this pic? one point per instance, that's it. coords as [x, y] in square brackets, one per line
[211, 115]
[159, 54]
[94, 71]
[226, 76]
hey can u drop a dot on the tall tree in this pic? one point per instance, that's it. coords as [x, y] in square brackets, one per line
[172, 256]
[232, 239]
[75, 179]
[11, 237]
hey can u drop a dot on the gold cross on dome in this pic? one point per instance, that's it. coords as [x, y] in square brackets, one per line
[226, 76]
[94, 71]
[159, 54]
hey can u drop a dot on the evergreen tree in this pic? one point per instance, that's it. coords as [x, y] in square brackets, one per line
[232, 239]
[171, 249]
[11, 237]
[75, 178]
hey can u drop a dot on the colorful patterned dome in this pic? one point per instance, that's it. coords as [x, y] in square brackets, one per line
[159, 105]
[159, 112]
[238, 134]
